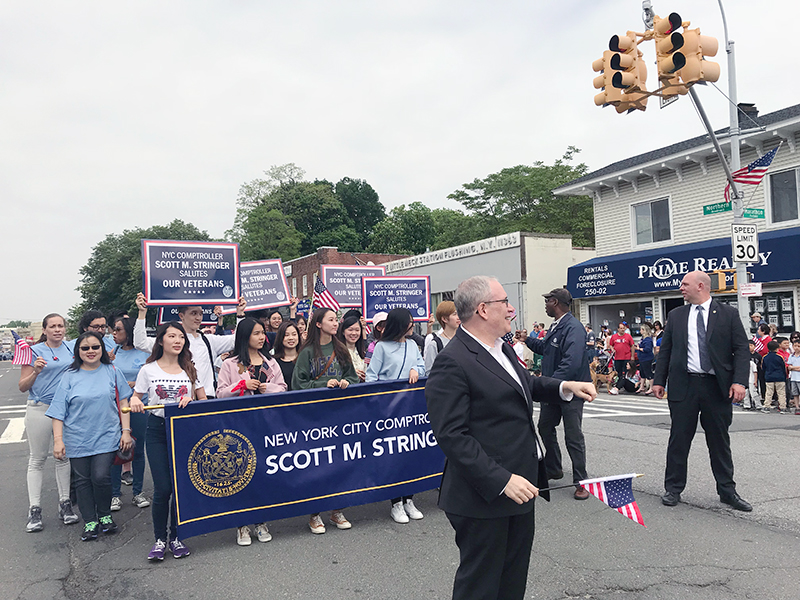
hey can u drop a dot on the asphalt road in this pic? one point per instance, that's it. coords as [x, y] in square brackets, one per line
[700, 549]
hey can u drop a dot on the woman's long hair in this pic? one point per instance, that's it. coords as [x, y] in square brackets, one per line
[314, 334]
[77, 361]
[347, 323]
[241, 347]
[127, 324]
[397, 325]
[279, 350]
[184, 358]
[43, 337]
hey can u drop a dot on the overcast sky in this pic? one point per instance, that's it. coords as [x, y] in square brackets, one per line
[123, 114]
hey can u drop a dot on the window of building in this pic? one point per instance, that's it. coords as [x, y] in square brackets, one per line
[305, 286]
[651, 222]
[294, 287]
[783, 200]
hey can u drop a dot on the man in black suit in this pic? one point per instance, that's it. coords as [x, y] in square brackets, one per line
[563, 351]
[705, 357]
[480, 403]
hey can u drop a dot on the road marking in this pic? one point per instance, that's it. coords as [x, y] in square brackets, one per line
[13, 408]
[14, 431]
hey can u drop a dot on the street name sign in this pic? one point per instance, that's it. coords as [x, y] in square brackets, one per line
[717, 208]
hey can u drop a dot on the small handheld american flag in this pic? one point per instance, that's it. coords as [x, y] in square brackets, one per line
[616, 491]
[322, 297]
[22, 351]
[509, 339]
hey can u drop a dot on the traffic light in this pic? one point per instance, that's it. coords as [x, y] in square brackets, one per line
[610, 94]
[670, 58]
[695, 48]
[630, 72]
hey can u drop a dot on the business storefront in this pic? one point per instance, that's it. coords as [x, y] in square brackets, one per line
[643, 286]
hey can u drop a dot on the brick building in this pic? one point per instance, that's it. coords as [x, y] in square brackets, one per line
[300, 271]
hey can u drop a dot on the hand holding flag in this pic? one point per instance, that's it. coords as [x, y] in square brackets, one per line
[22, 351]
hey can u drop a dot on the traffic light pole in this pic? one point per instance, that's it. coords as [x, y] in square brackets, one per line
[737, 199]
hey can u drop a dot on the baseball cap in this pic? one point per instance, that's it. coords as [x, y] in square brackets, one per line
[379, 317]
[561, 294]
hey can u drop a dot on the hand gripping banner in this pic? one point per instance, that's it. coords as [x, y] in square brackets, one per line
[260, 458]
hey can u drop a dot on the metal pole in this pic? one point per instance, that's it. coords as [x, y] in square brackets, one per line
[737, 197]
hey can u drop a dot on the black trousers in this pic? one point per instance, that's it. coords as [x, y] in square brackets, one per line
[92, 478]
[572, 414]
[495, 555]
[703, 398]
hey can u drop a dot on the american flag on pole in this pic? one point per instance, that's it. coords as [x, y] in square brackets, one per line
[753, 173]
[322, 297]
[509, 339]
[616, 492]
[22, 351]
[758, 344]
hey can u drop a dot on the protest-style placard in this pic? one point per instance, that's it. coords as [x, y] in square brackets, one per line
[180, 273]
[264, 285]
[344, 282]
[382, 294]
[170, 313]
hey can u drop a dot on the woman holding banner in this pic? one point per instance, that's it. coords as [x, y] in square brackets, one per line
[50, 357]
[169, 377]
[287, 343]
[351, 334]
[397, 356]
[324, 362]
[129, 361]
[249, 372]
[89, 429]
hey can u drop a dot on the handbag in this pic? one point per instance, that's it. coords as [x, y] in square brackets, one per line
[122, 456]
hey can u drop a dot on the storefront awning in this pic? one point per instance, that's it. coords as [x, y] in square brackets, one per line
[661, 269]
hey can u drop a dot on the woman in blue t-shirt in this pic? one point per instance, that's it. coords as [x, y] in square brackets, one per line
[86, 428]
[397, 356]
[50, 357]
[129, 361]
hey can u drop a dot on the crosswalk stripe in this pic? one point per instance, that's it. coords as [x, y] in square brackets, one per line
[14, 432]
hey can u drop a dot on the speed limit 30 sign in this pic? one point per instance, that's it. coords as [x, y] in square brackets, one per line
[744, 242]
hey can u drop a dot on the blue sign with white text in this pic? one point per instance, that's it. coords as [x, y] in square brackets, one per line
[170, 313]
[382, 294]
[263, 285]
[179, 273]
[261, 458]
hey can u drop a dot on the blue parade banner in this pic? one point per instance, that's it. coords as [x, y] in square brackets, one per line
[275, 456]
[382, 294]
[180, 273]
[344, 281]
[661, 269]
[263, 284]
[170, 313]
[304, 308]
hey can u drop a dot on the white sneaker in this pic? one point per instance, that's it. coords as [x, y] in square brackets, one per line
[262, 532]
[116, 503]
[316, 525]
[613, 391]
[338, 519]
[412, 511]
[243, 536]
[140, 501]
[398, 514]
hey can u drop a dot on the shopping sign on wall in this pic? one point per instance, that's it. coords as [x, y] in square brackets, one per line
[662, 269]
[179, 273]
[264, 285]
[344, 282]
[382, 294]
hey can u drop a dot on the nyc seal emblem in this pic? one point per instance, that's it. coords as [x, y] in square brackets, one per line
[222, 463]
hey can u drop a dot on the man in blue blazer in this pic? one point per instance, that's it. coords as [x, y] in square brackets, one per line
[705, 358]
[480, 403]
[563, 351]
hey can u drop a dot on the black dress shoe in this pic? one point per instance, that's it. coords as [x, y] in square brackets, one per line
[556, 475]
[670, 499]
[736, 502]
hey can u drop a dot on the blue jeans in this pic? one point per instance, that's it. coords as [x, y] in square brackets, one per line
[139, 431]
[161, 472]
[91, 475]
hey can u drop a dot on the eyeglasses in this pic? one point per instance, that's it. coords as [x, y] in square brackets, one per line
[503, 300]
[96, 327]
[86, 348]
[116, 329]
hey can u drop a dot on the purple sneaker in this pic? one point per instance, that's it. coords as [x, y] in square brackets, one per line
[157, 551]
[178, 549]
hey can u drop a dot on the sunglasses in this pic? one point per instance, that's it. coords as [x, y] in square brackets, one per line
[87, 348]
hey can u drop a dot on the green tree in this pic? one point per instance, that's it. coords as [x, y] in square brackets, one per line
[112, 277]
[454, 228]
[17, 323]
[405, 231]
[268, 233]
[521, 198]
[363, 206]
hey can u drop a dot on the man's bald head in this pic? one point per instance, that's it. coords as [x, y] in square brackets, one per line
[696, 287]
